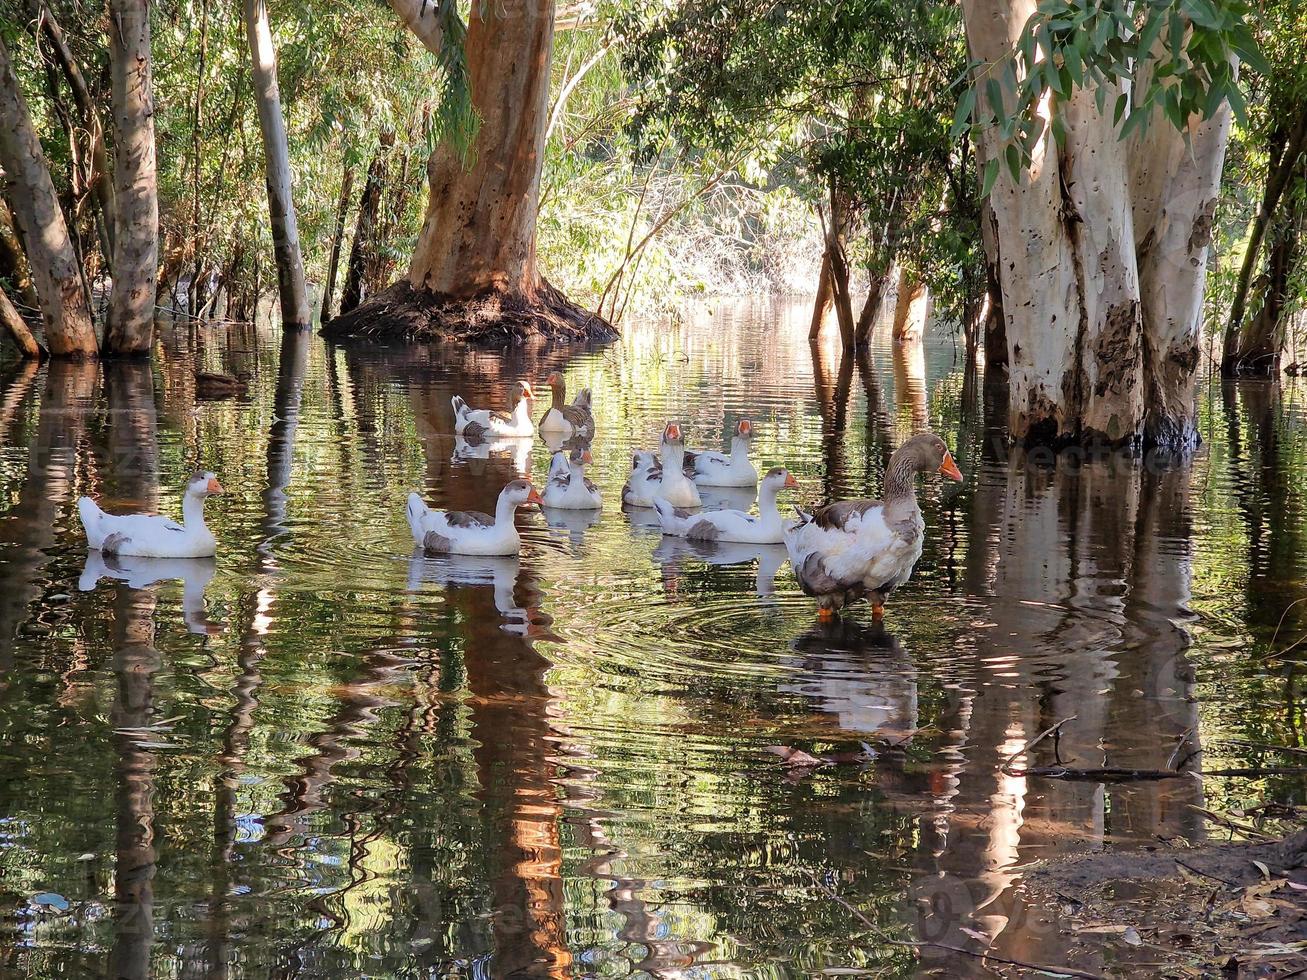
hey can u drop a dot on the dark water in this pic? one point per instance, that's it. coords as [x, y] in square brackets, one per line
[321, 756]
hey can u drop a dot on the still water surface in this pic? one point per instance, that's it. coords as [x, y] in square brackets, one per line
[322, 755]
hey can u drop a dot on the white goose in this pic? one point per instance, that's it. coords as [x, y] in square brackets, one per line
[663, 479]
[566, 420]
[152, 536]
[473, 423]
[470, 532]
[710, 469]
[568, 488]
[733, 525]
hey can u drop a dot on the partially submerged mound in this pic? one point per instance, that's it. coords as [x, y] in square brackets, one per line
[1218, 910]
[490, 319]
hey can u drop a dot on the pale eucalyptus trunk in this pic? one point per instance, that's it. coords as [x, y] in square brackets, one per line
[1103, 247]
[66, 317]
[136, 189]
[295, 311]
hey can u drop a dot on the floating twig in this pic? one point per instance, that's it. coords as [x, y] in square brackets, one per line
[1007, 764]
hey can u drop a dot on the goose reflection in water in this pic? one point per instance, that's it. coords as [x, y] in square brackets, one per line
[500, 573]
[571, 524]
[672, 552]
[477, 451]
[141, 573]
[730, 498]
[860, 674]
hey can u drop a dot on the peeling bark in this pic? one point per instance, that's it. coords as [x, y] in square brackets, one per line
[293, 292]
[1101, 253]
[337, 240]
[136, 191]
[56, 275]
[911, 303]
[365, 226]
[16, 328]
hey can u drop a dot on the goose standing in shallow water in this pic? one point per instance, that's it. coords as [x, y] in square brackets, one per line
[569, 421]
[711, 469]
[662, 478]
[474, 423]
[733, 525]
[152, 536]
[865, 549]
[470, 532]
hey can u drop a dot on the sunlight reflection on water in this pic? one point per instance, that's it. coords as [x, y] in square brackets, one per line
[324, 754]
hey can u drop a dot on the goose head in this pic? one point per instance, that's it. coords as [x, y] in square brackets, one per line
[926, 453]
[579, 458]
[203, 484]
[522, 392]
[519, 493]
[744, 429]
[557, 385]
[778, 478]
[672, 435]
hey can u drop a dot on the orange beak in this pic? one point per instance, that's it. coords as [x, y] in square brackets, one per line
[553, 379]
[214, 486]
[950, 468]
[746, 427]
[790, 482]
[526, 388]
[587, 458]
[534, 497]
[673, 430]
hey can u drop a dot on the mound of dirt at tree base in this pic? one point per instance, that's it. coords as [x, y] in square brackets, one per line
[1225, 910]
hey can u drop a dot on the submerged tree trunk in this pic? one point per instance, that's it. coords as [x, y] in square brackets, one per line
[1104, 247]
[337, 240]
[13, 259]
[69, 331]
[473, 274]
[136, 190]
[821, 302]
[291, 287]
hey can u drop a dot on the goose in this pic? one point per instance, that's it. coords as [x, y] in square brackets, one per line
[470, 532]
[663, 477]
[733, 525]
[473, 423]
[710, 469]
[865, 549]
[152, 536]
[567, 420]
[568, 488]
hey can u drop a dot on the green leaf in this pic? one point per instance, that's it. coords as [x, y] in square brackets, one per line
[991, 175]
[995, 96]
[962, 118]
[1122, 101]
[1013, 157]
[1149, 34]
[1059, 129]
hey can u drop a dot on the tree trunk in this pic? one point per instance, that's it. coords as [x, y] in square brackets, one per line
[337, 240]
[13, 259]
[473, 275]
[910, 307]
[876, 287]
[31, 194]
[1281, 167]
[1103, 247]
[1175, 183]
[16, 328]
[365, 226]
[839, 267]
[995, 332]
[821, 302]
[136, 191]
[1261, 339]
[295, 311]
[100, 177]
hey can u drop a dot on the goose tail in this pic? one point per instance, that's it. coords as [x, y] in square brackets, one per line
[460, 407]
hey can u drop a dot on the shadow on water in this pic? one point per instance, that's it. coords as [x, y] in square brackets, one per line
[324, 754]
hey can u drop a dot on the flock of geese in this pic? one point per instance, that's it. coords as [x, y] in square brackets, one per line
[843, 552]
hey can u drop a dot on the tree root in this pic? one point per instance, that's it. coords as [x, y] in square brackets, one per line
[491, 319]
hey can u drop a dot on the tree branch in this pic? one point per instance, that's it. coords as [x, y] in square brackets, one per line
[422, 18]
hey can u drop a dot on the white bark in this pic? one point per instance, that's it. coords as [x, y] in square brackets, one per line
[1103, 249]
[136, 193]
[69, 331]
[295, 309]
[911, 307]
[420, 17]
